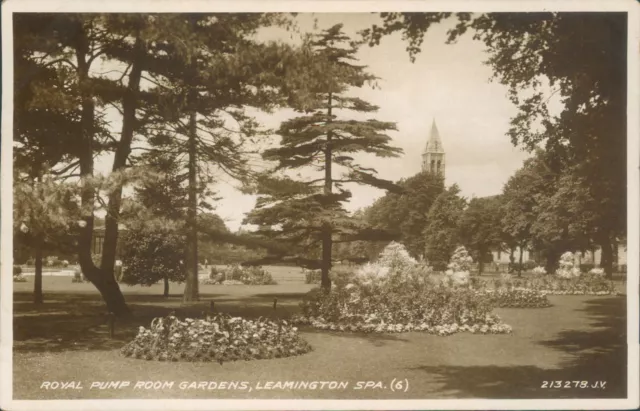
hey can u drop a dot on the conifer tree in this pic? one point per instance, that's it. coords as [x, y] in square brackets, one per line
[176, 56]
[323, 140]
[209, 72]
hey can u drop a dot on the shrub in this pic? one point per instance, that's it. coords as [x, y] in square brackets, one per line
[17, 270]
[567, 267]
[539, 270]
[396, 257]
[458, 272]
[52, 261]
[152, 254]
[220, 338]
[460, 261]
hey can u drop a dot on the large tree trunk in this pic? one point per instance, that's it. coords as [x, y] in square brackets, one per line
[552, 256]
[512, 257]
[37, 279]
[103, 277]
[166, 286]
[191, 286]
[327, 232]
[615, 258]
[38, 245]
[481, 262]
[520, 262]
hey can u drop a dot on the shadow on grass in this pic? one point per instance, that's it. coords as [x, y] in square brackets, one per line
[377, 339]
[595, 353]
[79, 321]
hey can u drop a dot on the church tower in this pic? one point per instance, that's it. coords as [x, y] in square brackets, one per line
[433, 158]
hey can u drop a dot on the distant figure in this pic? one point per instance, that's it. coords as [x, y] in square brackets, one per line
[206, 263]
[118, 270]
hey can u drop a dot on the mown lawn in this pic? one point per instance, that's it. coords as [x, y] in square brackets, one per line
[579, 338]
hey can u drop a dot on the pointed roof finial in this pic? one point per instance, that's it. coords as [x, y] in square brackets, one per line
[434, 145]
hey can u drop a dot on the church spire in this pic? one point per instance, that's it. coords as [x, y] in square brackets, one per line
[434, 145]
[433, 158]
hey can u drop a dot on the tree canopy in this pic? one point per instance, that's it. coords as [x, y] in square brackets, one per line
[578, 57]
[323, 140]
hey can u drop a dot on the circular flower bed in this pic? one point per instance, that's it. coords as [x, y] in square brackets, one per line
[218, 338]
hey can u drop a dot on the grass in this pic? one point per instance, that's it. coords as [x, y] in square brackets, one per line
[66, 339]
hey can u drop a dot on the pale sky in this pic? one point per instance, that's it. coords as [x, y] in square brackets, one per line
[448, 83]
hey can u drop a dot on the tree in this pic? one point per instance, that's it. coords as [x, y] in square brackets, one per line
[42, 99]
[72, 43]
[151, 254]
[442, 232]
[582, 57]
[323, 139]
[480, 228]
[545, 207]
[43, 213]
[406, 212]
[518, 208]
[158, 48]
[210, 70]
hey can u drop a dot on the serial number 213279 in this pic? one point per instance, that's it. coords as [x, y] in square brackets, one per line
[574, 384]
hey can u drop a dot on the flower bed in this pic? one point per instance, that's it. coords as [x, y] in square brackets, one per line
[238, 275]
[220, 338]
[593, 283]
[397, 294]
[516, 298]
[585, 284]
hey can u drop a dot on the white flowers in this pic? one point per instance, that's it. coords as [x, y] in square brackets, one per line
[459, 277]
[460, 260]
[372, 271]
[567, 268]
[395, 255]
[459, 267]
[539, 270]
[597, 271]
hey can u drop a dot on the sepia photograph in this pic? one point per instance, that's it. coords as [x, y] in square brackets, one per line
[319, 205]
